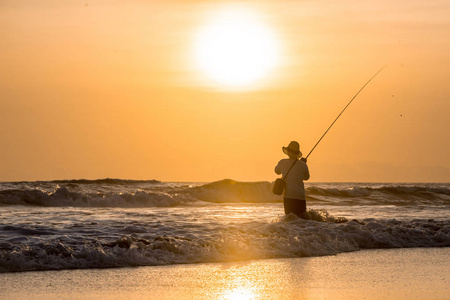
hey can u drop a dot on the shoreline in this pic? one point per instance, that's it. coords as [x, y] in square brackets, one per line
[405, 273]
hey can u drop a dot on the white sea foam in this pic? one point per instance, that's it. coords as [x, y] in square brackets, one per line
[155, 243]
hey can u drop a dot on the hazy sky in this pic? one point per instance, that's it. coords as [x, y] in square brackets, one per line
[101, 89]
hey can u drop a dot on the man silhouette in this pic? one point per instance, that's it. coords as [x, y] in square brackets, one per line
[297, 171]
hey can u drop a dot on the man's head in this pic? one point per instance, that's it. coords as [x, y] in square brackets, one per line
[293, 150]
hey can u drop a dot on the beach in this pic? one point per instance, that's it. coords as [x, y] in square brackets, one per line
[417, 273]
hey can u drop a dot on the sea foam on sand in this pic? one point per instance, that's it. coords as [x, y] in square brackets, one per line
[418, 273]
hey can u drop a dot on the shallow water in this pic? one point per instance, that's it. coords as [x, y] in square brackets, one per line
[420, 273]
[116, 223]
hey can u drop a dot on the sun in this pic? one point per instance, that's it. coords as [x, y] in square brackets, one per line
[236, 49]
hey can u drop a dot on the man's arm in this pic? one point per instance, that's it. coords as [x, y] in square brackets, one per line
[306, 175]
[278, 169]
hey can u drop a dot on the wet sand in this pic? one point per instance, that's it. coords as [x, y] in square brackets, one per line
[420, 273]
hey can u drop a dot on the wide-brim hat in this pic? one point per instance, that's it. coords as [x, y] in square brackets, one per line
[293, 148]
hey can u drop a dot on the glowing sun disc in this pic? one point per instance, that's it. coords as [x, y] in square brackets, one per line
[235, 49]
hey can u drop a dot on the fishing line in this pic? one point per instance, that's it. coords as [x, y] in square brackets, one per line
[344, 110]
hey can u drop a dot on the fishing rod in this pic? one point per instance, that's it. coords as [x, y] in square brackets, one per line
[344, 110]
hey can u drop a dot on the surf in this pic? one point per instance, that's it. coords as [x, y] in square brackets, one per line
[128, 193]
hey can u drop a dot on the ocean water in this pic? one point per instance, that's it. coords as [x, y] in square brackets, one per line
[75, 224]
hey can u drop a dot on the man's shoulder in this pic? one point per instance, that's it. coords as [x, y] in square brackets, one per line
[283, 161]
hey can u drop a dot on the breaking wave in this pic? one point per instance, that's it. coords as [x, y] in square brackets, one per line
[64, 197]
[285, 237]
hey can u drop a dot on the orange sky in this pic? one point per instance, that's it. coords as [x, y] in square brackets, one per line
[101, 89]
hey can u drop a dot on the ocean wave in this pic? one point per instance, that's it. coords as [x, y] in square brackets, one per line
[110, 181]
[396, 190]
[62, 196]
[285, 237]
[129, 193]
[232, 191]
[399, 195]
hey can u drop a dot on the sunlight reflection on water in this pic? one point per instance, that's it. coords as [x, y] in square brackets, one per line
[239, 294]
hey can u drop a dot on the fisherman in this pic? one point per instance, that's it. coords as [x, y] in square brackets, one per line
[297, 171]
